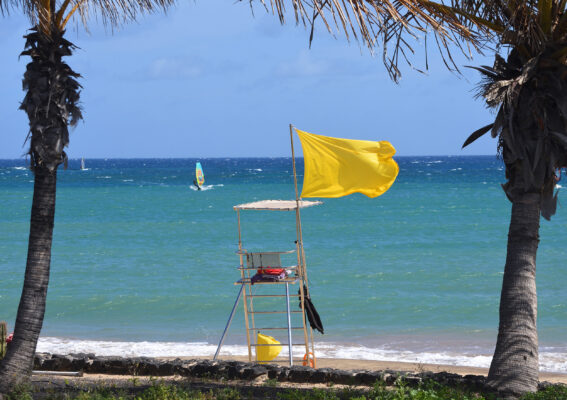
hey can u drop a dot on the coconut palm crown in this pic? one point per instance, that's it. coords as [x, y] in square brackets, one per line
[528, 89]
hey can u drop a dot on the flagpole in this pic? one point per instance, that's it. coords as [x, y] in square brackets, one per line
[298, 214]
[293, 162]
[300, 254]
[299, 236]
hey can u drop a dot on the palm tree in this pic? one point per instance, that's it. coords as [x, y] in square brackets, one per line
[529, 90]
[51, 103]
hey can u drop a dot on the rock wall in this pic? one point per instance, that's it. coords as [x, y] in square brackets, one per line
[236, 370]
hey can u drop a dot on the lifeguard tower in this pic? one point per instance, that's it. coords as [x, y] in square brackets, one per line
[272, 279]
[258, 289]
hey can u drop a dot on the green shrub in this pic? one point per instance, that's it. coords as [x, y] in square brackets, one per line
[228, 394]
[314, 394]
[21, 392]
[100, 394]
[161, 391]
[425, 391]
[550, 393]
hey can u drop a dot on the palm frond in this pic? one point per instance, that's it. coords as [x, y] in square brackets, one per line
[112, 12]
[531, 122]
[476, 134]
[392, 24]
[545, 10]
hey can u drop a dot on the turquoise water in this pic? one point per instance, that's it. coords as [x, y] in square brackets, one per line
[143, 263]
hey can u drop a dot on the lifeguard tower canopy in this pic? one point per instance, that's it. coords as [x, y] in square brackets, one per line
[277, 205]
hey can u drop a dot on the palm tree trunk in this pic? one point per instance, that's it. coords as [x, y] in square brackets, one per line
[16, 367]
[514, 367]
[51, 103]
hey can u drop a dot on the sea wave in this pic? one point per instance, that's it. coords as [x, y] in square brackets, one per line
[551, 360]
[205, 187]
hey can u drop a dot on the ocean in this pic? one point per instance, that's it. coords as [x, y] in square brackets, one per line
[143, 264]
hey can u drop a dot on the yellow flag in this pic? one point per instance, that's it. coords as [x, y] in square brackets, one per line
[338, 167]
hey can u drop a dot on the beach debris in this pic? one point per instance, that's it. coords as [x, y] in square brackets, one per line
[58, 373]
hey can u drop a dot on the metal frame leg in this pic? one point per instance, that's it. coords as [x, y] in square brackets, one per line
[230, 320]
[289, 325]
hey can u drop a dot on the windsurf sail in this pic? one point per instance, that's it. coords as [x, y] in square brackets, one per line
[83, 163]
[199, 174]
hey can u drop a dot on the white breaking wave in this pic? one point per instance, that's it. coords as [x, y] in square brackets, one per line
[205, 187]
[549, 361]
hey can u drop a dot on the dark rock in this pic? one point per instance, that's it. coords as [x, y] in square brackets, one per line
[412, 380]
[274, 372]
[253, 372]
[185, 368]
[62, 362]
[53, 362]
[40, 359]
[145, 367]
[390, 379]
[283, 374]
[447, 378]
[233, 372]
[427, 375]
[474, 382]
[109, 365]
[300, 374]
[321, 375]
[203, 369]
[221, 369]
[341, 377]
[367, 377]
[79, 361]
[240, 371]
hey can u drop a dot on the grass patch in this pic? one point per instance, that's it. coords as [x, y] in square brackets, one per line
[554, 392]
[21, 392]
[160, 390]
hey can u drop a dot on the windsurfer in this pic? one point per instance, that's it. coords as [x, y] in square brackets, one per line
[196, 184]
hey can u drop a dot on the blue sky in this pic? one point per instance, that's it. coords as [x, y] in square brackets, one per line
[210, 80]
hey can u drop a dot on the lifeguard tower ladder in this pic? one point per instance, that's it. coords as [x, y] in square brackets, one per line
[256, 298]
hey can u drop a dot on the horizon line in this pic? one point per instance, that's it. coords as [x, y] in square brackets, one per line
[240, 157]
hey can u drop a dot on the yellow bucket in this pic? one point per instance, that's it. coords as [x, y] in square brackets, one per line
[267, 353]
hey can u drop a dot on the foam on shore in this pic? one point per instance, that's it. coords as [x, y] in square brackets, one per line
[551, 359]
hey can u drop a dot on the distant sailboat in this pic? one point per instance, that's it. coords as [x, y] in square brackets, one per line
[82, 164]
[200, 176]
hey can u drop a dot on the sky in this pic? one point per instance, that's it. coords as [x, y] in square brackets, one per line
[209, 79]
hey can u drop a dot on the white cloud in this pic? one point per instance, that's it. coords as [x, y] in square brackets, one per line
[168, 68]
[303, 66]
